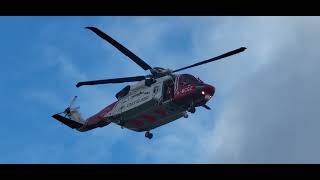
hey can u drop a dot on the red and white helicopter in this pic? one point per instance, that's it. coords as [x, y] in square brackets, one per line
[155, 100]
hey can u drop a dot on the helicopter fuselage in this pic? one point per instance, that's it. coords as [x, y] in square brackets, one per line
[144, 108]
[156, 99]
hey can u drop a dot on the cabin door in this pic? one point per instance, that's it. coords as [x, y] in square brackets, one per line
[168, 90]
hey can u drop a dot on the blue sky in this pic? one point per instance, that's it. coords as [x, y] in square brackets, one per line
[44, 57]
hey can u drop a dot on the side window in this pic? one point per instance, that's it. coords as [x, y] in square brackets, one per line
[156, 89]
[183, 80]
[168, 89]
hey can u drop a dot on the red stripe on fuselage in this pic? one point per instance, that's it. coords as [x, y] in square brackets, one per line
[137, 122]
[149, 118]
[161, 111]
[100, 115]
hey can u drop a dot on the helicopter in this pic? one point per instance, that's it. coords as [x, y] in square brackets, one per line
[154, 100]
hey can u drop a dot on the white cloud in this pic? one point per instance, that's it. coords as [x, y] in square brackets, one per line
[271, 116]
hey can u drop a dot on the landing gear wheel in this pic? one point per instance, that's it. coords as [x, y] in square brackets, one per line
[192, 110]
[148, 135]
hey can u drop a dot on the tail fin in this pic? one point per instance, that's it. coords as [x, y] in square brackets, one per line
[75, 115]
[74, 119]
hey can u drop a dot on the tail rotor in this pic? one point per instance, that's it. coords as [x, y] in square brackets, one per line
[71, 117]
[67, 111]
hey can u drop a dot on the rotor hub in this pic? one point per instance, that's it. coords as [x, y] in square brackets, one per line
[158, 71]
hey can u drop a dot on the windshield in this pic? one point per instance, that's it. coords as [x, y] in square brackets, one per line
[186, 79]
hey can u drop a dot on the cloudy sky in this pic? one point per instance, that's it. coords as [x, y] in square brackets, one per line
[265, 109]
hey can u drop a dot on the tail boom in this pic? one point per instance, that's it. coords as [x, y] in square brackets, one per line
[75, 121]
[79, 126]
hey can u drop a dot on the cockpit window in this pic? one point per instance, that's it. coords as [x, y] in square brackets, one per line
[200, 81]
[188, 79]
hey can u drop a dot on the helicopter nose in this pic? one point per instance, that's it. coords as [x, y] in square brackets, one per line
[208, 91]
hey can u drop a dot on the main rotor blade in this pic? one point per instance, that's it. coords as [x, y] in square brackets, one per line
[121, 48]
[214, 59]
[107, 81]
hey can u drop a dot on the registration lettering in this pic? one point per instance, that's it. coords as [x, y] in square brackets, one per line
[187, 89]
[137, 101]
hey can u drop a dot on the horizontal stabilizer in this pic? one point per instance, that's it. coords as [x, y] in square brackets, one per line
[72, 124]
